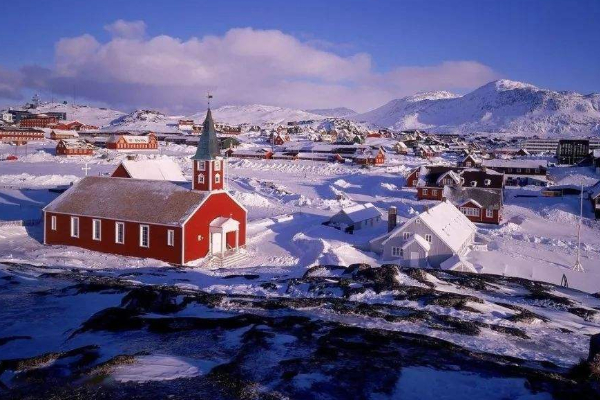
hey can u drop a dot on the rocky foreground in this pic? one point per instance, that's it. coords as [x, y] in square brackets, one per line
[356, 332]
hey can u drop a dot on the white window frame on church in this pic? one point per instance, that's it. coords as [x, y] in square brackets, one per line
[75, 227]
[217, 178]
[217, 165]
[96, 229]
[201, 166]
[144, 236]
[119, 232]
[201, 178]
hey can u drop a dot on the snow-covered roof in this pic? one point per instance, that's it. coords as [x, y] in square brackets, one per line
[64, 132]
[76, 144]
[361, 212]
[596, 153]
[126, 199]
[457, 263]
[131, 139]
[159, 170]
[450, 174]
[445, 221]
[500, 163]
[416, 238]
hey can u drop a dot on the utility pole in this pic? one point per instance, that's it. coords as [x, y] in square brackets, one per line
[578, 267]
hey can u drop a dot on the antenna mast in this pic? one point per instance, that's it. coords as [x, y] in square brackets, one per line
[578, 267]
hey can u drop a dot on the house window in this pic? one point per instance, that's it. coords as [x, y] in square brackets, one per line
[424, 191]
[405, 235]
[144, 236]
[217, 165]
[75, 227]
[470, 211]
[473, 183]
[96, 234]
[217, 178]
[396, 252]
[489, 213]
[428, 237]
[119, 232]
[200, 178]
[171, 237]
[487, 182]
[414, 183]
[53, 222]
[518, 170]
[201, 166]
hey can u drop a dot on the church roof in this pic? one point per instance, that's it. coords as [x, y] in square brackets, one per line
[208, 145]
[127, 199]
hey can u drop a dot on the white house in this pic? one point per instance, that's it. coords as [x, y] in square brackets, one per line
[356, 217]
[429, 238]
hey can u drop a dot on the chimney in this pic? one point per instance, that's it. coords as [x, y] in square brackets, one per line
[392, 218]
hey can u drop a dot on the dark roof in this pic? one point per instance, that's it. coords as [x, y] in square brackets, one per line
[487, 198]
[208, 145]
[434, 172]
[480, 176]
[127, 199]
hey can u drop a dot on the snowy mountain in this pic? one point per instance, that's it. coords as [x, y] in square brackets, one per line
[82, 113]
[339, 112]
[500, 106]
[140, 120]
[257, 114]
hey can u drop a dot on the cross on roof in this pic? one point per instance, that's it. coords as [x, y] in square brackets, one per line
[86, 169]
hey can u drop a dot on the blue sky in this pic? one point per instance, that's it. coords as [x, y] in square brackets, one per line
[550, 43]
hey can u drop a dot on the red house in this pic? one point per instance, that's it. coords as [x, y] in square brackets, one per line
[38, 121]
[478, 204]
[132, 142]
[74, 147]
[73, 126]
[153, 219]
[279, 140]
[370, 157]
[20, 136]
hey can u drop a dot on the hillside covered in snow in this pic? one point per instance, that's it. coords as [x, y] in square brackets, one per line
[500, 106]
[257, 114]
[83, 113]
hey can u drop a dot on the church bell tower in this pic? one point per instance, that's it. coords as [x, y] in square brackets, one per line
[209, 166]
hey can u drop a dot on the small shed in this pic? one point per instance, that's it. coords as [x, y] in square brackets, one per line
[356, 217]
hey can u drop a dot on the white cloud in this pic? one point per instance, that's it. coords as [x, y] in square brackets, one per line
[126, 29]
[243, 66]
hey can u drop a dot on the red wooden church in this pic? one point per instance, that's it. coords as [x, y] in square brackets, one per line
[154, 219]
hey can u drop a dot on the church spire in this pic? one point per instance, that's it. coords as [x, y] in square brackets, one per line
[208, 145]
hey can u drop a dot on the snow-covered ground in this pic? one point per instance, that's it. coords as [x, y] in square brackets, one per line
[536, 239]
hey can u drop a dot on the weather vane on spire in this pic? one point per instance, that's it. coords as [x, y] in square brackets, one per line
[208, 97]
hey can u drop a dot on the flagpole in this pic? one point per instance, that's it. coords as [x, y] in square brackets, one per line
[578, 267]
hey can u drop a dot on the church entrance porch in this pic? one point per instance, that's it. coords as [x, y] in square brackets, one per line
[224, 236]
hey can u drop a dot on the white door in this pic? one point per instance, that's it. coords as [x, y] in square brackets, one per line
[215, 243]
[414, 259]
